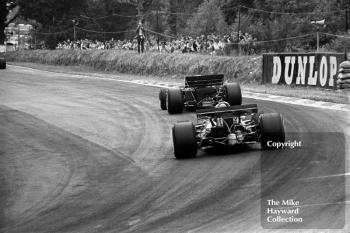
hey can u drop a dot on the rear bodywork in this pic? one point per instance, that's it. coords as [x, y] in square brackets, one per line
[203, 91]
[227, 126]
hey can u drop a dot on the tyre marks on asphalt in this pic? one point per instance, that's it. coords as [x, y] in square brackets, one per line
[36, 190]
[98, 156]
[129, 180]
[138, 134]
[79, 194]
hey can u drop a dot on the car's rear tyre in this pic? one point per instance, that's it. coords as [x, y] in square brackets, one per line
[2, 63]
[162, 98]
[233, 94]
[184, 140]
[175, 101]
[272, 130]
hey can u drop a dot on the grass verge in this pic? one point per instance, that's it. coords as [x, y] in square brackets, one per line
[244, 69]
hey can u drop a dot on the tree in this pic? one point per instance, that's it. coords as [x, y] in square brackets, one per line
[230, 9]
[172, 18]
[54, 17]
[278, 19]
[8, 13]
[52, 14]
[3, 14]
[108, 16]
[114, 16]
[208, 19]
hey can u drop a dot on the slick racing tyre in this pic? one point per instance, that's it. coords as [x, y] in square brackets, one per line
[2, 63]
[233, 94]
[184, 139]
[271, 129]
[175, 101]
[162, 98]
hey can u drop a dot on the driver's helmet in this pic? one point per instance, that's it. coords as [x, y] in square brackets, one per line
[222, 104]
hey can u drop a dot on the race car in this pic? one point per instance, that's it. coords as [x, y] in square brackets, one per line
[2, 63]
[227, 126]
[201, 91]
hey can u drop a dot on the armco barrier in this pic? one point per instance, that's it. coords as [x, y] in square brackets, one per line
[302, 69]
[343, 79]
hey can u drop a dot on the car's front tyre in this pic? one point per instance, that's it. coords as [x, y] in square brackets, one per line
[233, 94]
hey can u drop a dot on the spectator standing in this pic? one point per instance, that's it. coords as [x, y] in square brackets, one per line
[140, 35]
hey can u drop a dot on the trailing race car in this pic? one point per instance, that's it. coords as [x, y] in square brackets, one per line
[2, 63]
[227, 126]
[200, 91]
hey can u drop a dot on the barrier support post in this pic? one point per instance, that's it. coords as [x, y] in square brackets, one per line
[74, 30]
[346, 19]
[158, 31]
[238, 29]
[318, 40]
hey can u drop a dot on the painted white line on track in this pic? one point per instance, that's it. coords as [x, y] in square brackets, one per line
[300, 179]
[245, 94]
[328, 176]
[297, 101]
[315, 204]
[328, 203]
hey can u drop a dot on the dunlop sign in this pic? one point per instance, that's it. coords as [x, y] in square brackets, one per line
[308, 69]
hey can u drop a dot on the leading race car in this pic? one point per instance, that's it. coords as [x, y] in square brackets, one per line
[2, 63]
[227, 126]
[201, 91]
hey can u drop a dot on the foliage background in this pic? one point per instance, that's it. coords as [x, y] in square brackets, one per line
[264, 20]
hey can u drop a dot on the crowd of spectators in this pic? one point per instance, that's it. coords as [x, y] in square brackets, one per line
[95, 44]
[211, 44]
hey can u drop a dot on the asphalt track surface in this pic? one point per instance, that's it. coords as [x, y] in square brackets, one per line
[90, 155]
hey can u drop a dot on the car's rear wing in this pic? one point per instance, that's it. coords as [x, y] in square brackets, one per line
[204, 80]
[228, 111]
